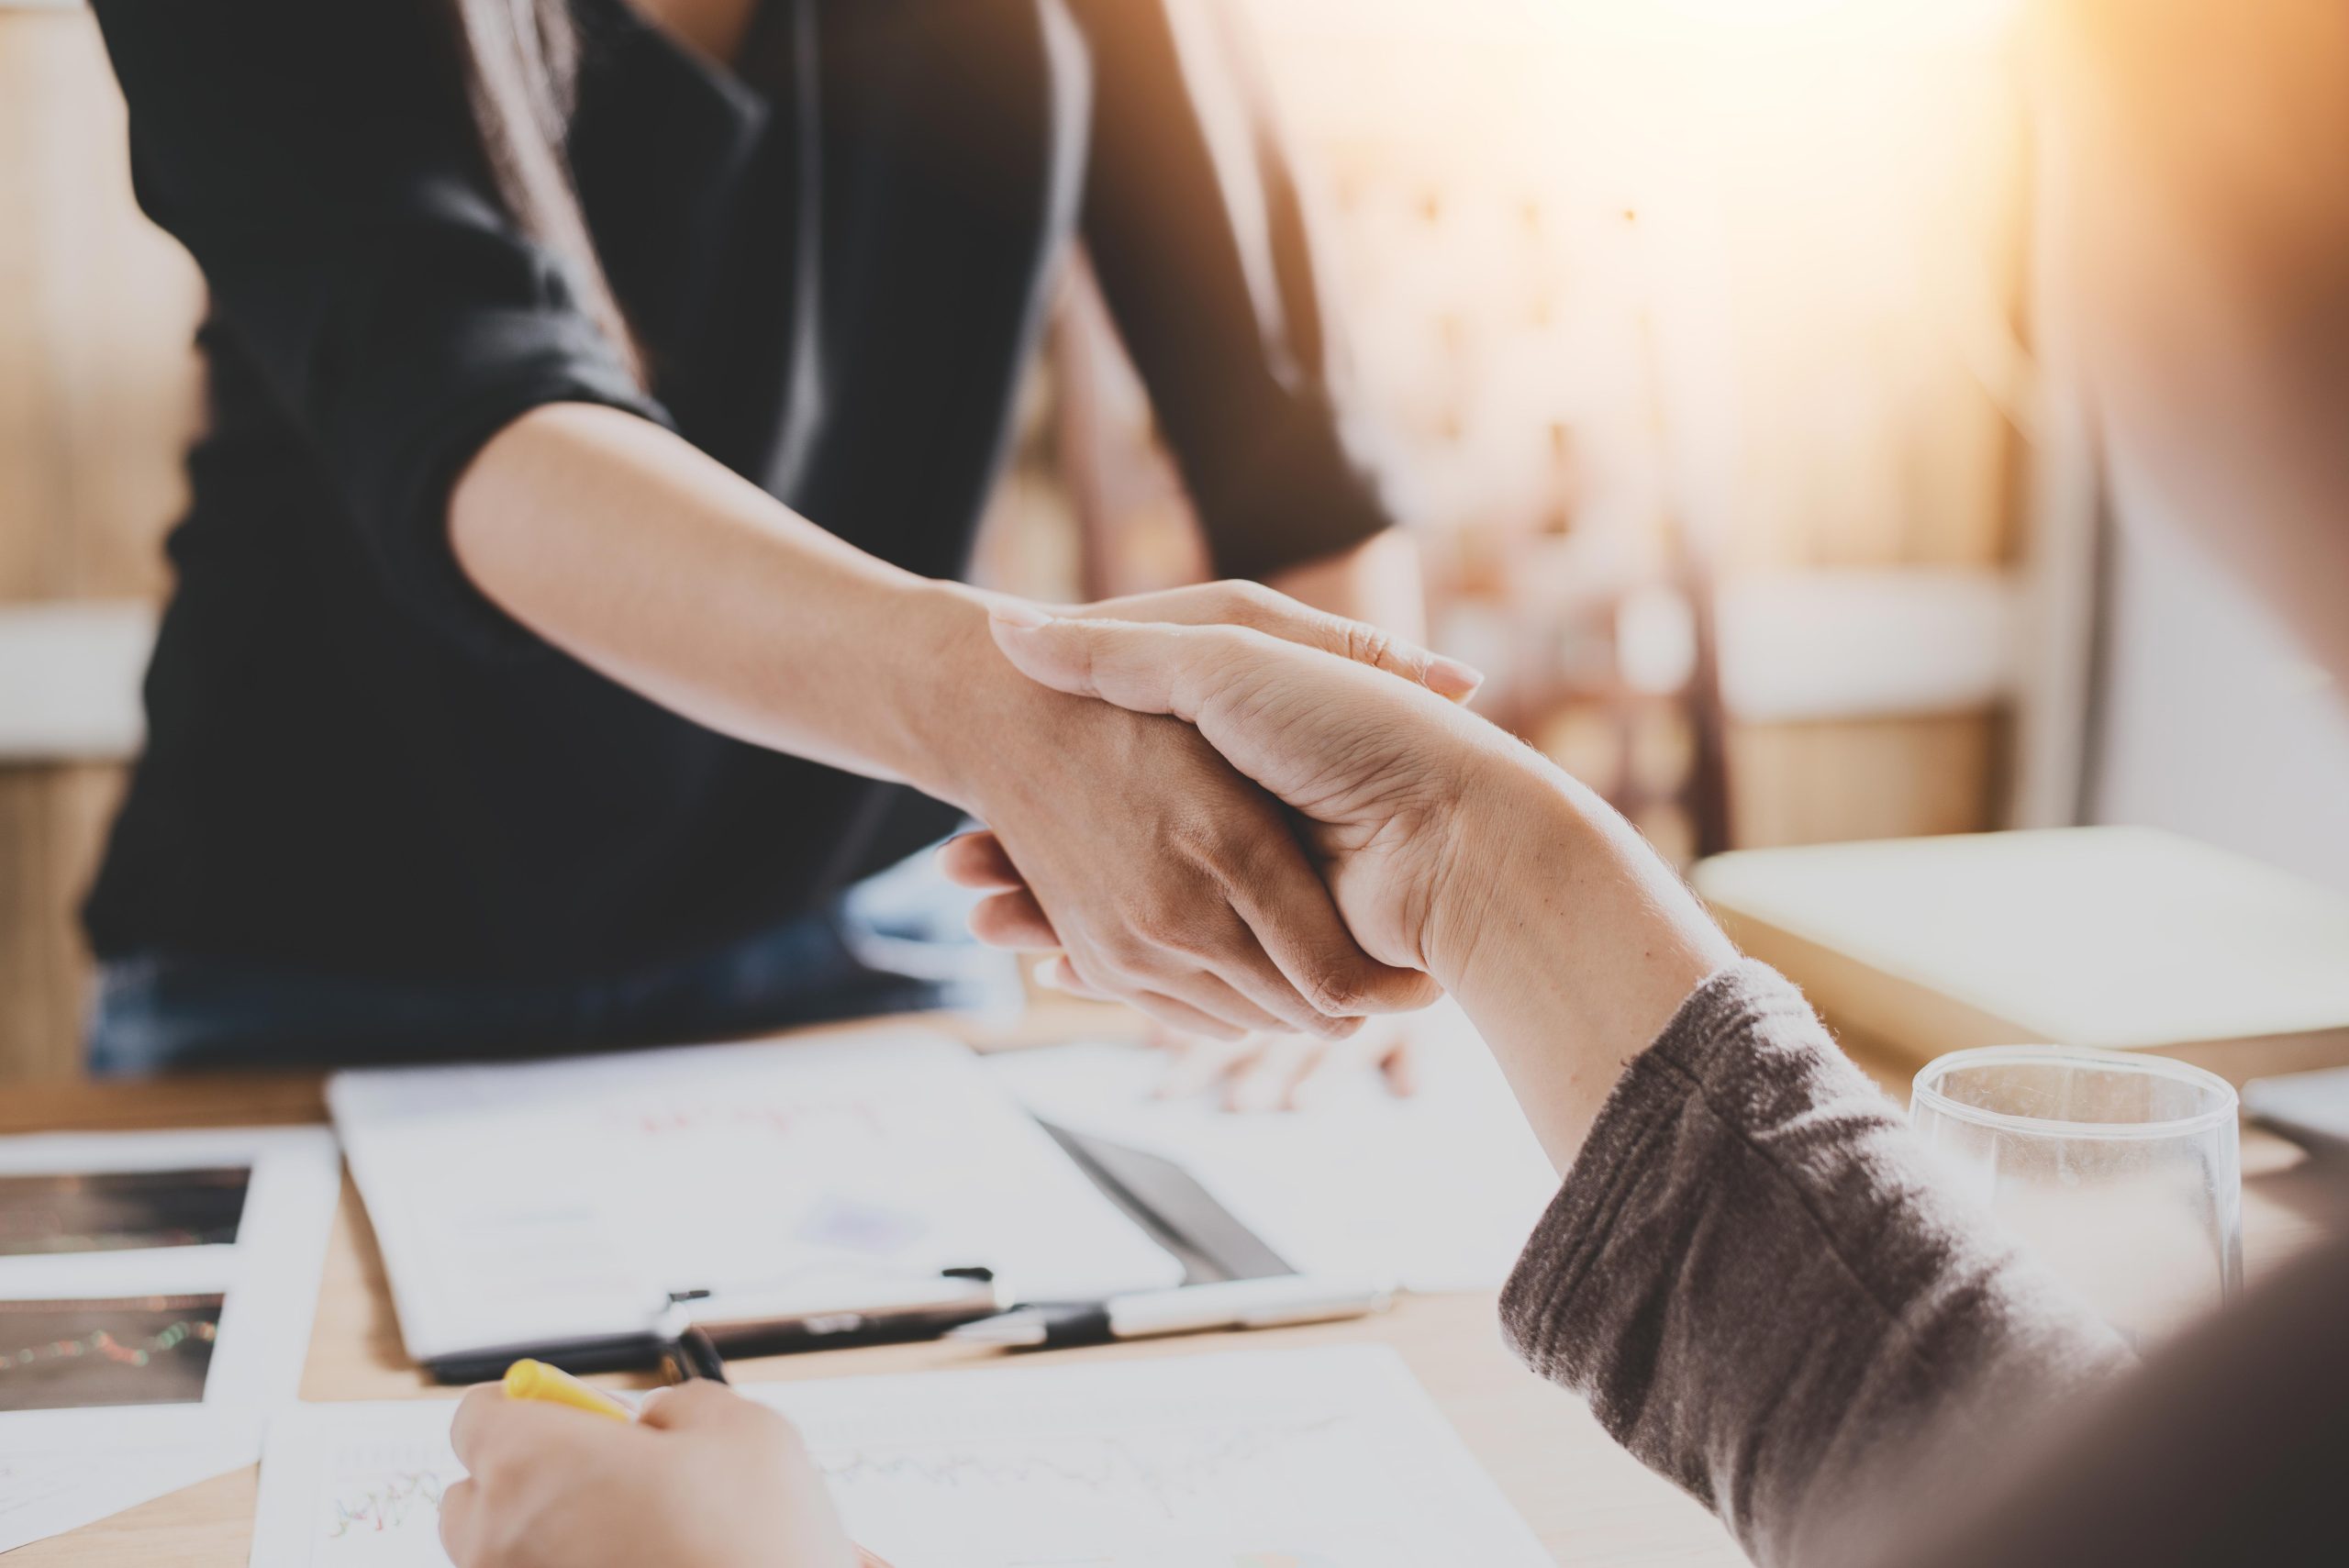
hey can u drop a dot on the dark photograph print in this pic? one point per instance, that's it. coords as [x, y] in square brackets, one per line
[144, 1349]
[120, 1211]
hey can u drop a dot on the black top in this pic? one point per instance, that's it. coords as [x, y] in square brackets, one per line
[356, 763]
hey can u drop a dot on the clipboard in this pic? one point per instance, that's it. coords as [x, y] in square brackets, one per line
[1156, 1194]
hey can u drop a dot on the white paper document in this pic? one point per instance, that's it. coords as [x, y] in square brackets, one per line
[1295, 1459]
[534, 1203]
[156, 1293]
[1438, 1191]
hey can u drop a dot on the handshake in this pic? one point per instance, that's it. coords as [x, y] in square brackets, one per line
[1259, 817]
[1414, 847]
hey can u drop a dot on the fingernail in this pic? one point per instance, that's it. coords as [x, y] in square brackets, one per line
[1451, 678]
[1013, 613]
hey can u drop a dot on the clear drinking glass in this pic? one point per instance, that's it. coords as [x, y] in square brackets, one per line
[2121, 1172]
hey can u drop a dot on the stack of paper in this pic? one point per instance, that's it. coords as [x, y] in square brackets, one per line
[536, 1203]
[1300, 1459]
[156, 1291]
[1438, 1191]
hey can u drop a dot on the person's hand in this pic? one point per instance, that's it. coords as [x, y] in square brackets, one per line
[1155, 873]
[1449, 846]
[1378, 768]
[703, 1478]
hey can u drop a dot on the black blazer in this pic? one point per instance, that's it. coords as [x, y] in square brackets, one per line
[835, 256]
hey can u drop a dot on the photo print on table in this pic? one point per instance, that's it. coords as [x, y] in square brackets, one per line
[120, 1211]
[145, 1349]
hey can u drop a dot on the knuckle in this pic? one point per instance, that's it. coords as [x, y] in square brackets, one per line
[1335, 987]
[1159, 929]
[1246, 602]
[492, 1467]
[1119, 962]
[1367, 644]
[1222, 843]
[1398, 990]
[700, 1395]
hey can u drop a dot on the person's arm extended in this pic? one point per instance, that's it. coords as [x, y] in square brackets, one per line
[616, 542]
[1748, 1268]
[1181, 889]
[628, 549]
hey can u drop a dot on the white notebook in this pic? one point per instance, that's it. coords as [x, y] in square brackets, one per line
[534, 1204]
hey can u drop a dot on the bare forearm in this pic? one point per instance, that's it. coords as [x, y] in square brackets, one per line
[1567, 941]
[626, 548]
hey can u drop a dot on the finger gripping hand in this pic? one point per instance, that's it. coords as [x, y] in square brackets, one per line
[1253, 605]
[1378, 771]
[1167, 879]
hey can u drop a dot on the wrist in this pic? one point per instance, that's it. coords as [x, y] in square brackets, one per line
[1515, 828]
[1578, 948]
[1549, 878]
[961, 702]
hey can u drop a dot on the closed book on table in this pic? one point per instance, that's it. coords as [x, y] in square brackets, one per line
[2124, 939]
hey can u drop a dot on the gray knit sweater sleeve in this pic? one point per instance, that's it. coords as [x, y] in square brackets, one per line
[1750, 1276]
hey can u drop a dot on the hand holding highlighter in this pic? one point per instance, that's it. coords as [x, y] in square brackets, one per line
[547, 1384]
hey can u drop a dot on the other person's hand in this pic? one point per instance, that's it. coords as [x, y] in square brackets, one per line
[1128, 847]
[704, 1479]
[1260, 1069]
[1449, 847]
[1380, 770]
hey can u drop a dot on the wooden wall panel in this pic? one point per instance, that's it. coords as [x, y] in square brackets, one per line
[1877, 778]
[52, 821]
[99, 395]
[97, 310]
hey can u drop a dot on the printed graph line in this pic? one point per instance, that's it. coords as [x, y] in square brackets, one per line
[98, 1342]
[386, 1503]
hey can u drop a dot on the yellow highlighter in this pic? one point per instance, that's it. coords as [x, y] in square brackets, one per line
[552, 1385]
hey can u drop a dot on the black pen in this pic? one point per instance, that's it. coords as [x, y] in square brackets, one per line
[686, 1349]
[1273, 1301]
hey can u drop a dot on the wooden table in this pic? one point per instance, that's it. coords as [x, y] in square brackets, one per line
[1588, 1501]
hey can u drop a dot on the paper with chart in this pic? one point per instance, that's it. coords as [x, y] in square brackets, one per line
[156, 1292]
[1438, 1191]
[532, 1203]
[1284, 1459]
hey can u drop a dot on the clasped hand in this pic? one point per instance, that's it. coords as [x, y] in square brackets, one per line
[1121, 842]
[1377, 775]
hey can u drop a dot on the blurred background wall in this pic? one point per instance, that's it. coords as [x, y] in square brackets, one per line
[97, 397]
[1730, 418]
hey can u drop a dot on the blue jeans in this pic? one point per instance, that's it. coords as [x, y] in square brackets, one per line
[893, 943]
